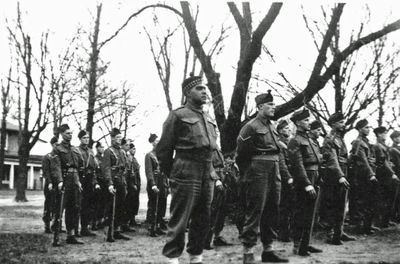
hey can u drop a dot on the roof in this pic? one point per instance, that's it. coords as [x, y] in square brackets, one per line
[11, 127]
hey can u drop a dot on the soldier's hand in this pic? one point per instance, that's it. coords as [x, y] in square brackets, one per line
[290, 181]
[60, 185]
[311, 191]
[135, 187]
[97, 187]
[111, 189]
[80, 187]
[155, 189]
[50, 186]
[395, 178]
[373, 179]
[219, 186]
[344, 182]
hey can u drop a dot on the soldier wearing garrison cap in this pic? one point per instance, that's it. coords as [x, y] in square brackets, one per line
[87, 176]
[65, 165]
[136, 174]
[258, 156]
[113, 168]
[395, 159]
[191, 133]
[287, 193]
[102, 194]
[387, 178]
[335, 184]
[305, 157]
[363, 189]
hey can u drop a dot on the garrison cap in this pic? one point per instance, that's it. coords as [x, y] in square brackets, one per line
[191, 82]
[152, 137]
[82, 133]
[300, 115]
[123, 141]
[361, 123]
[63, 128]
[53, 140]
[132, 145]
[395, 134]
[315, 124]
[336, 117]
[281, 124]
[264, 98]
[380, 130]
[115, 131]
[98, 144]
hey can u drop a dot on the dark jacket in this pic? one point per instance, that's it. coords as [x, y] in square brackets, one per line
[384, 169]
[363, 158]
[66, 158]
[334, 152]
[284, 161]
[395, 158]
[114, 164]
[89, 163]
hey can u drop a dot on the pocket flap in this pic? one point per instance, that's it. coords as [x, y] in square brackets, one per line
[190, 120]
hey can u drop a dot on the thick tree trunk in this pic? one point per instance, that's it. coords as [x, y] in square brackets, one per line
[3, 143]
[21, 180]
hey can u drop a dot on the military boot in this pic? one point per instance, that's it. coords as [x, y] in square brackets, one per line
[248, 258]
[47, 228]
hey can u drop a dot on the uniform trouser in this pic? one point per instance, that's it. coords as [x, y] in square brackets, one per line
[240, 215]
[366, 199]
[88, 202]
[72, 205]
[101, 201]
[263, 188]
[49, 203]
[161, 205]
[192, 192]
[120, 196]
[218, 212]
[129, 205]
[386, 192]
[304, 212]
[286, 210]
[135, 204]
[335, 196]
[354, 211]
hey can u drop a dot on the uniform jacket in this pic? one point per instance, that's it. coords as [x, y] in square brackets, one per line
[284, 159]
[395, 158]
[66, 157]
[46, 167]
[99, 160]
[153, 174]
[218, 164]
[89, 163]
[130, 176]
[304, 154]
[384, 169]
[186, 129]
[335, 156]
[114, 164]
[136, 171]
[256, 137]
[363, 157]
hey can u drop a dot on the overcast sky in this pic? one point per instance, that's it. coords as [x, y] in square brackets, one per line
[131, 61]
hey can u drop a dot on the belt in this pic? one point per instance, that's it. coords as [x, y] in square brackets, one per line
[195, 154]
[71, 169]
[312, 167]
[269, 157]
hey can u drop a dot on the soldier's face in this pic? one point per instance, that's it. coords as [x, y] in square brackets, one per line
[285, 131]
[133, 151]
[155, 142]
[85, 140]
[126, 146]
[267, 109]
[198, 94]
[365, 130]
[117, 139]
[304, 124]
[316, 132]
[382, 136]
[100, 150]
[340, 125]
[67, 135]
[396, 140]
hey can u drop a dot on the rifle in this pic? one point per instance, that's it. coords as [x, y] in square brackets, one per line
[110, 233]
[395, 201]
[316, 207]
[57, 220]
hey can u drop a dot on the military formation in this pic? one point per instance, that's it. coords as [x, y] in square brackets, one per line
[282, 185]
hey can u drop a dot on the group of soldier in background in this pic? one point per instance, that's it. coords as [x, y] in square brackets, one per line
[280, 185]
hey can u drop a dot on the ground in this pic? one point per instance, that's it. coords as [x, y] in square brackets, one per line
[22, 241]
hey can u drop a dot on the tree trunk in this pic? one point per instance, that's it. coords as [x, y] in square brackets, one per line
[21, 180]
[337, 80]
[3, 143]
[94, 56]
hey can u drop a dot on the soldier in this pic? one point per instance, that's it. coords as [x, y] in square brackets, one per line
[364, 179]
[395, 159]
[287, 195]
[335, 184]
[258, 159]
[192, 134]
[48, 188]
[387, 179]
[136, 173]
[157, 189]
[131, 187]
[113, 167]
[87, 176]
[101, 194]
[218, 205]
[305, 157]
[65, 166]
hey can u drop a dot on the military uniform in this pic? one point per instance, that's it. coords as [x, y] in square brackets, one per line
[192, 134]
[287, 194]
[395, 159]
[363, 159]
[65, 165]
[335, 167]
[87, 176]
[136, 196]
[305, 158]
[258, 157]
[49, 195]
[102, 201]
[131, 190]
[113, 168]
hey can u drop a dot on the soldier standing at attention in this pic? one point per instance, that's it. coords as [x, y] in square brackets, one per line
[192, 134]
[87, 176]
[364, 177]
[305, 157]
[113, 167]
[386, 177]
[136, 173]
[287, 195]
[395, 159]
[102, 194]
[335, 184]
[48, 187]
[258, 159]
[65, 166]
[131, 187]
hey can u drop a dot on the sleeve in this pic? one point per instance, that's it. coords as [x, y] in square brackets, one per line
[106, 167]
[245, 147]
[295, 157]
[395, 159]
[55, 164]
[94, 162]
[283, 168]
[382, 161]
[148, 167]
[360, 154]
[331, 159]
[165, 147]
[46, 168]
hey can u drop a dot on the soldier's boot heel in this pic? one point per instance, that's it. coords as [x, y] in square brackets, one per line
[248, 258]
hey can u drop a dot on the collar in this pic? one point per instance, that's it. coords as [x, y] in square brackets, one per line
[194, 108]
[66, 144]
[84, 147]
[302, 133]
[116, 146]
[265, 121]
